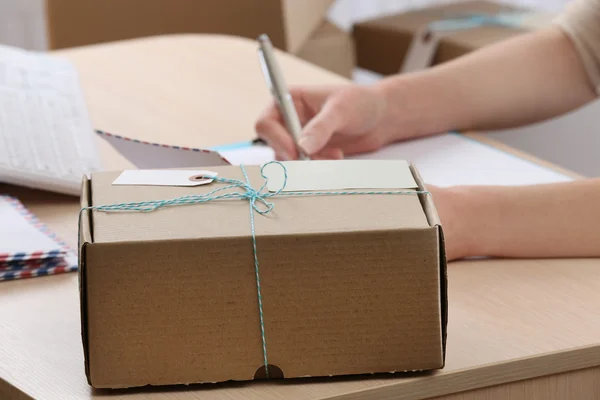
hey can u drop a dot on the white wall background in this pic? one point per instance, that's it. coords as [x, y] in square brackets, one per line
[572, 141]
[22, 24]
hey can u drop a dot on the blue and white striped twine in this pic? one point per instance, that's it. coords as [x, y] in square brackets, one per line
[256, 198]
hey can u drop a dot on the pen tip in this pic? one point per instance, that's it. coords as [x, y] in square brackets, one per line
[263, 38]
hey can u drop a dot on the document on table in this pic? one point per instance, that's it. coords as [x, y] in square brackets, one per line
[46, 137]
[443, 160]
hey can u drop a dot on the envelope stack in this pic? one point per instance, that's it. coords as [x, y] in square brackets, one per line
[27, 247]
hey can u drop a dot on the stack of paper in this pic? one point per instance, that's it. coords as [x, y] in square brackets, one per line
[27, 247]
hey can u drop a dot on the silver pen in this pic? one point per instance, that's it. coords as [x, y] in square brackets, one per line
[279, 90]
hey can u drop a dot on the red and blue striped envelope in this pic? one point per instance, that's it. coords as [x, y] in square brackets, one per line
[27, 247]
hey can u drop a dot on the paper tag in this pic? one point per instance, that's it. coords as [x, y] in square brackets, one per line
[341, 175]
[159, 177]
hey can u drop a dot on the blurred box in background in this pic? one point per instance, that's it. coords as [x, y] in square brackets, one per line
[289, 23]
[382, 44]
[298, 27]
[331, 48]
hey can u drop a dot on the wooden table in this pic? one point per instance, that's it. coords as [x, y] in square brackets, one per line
[519, 329]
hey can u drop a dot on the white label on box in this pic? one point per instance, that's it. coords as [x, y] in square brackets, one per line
[158, 177]
[333, 175]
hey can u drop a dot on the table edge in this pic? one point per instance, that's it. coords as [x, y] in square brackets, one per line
[508, 371]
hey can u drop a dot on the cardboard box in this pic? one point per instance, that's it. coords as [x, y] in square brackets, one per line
[350, 284]
[289, 23]
[331, 48]
[382, 44]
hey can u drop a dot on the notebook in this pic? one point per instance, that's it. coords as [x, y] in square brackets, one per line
[27, 247]
[46, 137]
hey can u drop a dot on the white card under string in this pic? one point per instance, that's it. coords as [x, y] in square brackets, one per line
[341, 175]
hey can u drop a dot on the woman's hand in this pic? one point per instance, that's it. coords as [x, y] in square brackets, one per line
[337, 121]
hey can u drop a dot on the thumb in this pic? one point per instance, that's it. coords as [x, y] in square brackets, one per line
[321, 128]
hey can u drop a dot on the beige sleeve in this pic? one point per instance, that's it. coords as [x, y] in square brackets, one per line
[581, 22]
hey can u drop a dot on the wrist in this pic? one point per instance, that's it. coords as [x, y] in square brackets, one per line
[424, 103]
[399, 122]
[462, 218]
[412, 106]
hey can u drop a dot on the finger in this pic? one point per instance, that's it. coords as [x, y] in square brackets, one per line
[270, 128]
[321, 128]
[278, 138]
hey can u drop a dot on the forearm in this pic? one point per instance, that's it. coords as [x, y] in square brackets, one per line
[551, 220]
[522, 80]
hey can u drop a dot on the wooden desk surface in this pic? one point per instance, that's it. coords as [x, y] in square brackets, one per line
[509, 320]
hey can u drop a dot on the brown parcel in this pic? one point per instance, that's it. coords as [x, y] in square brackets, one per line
[382, 43]
[351, 284]
[289, 23]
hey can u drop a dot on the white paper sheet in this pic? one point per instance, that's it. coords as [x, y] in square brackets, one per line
[255, 155]
[443, 160]
[46, 137]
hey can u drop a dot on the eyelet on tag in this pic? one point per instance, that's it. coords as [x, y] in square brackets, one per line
[202, 179]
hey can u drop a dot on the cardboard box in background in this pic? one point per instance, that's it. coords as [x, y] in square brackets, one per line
[340, 295]
[382, 44]
[298, 27]
[289, 23]
[331, 48]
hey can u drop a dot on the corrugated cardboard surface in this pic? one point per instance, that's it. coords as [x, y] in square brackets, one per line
[332, 48]
[350, 285]
[382, 43]
[82, 22]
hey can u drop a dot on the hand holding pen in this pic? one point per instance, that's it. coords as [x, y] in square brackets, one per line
[338, 120]
[279, 90]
